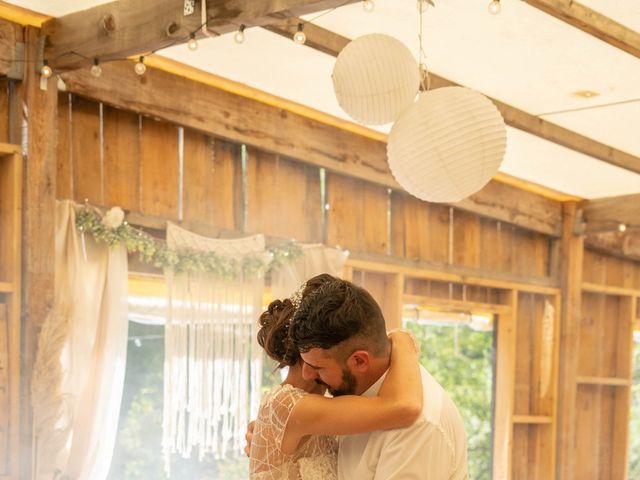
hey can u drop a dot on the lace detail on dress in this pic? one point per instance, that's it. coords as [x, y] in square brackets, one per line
[315, 459]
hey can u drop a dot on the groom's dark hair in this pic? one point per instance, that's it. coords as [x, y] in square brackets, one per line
[339, 312]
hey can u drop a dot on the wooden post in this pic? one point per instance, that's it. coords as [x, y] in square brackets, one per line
[504, 390]
[38, 227]
[572, 248]
[622, 398]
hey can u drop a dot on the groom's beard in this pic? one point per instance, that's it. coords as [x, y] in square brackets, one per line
[347, 387]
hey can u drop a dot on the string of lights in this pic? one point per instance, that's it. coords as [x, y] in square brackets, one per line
[299, 37]
[239, 36]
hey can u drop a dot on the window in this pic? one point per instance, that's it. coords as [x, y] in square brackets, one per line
[138, 450]
[458, 350]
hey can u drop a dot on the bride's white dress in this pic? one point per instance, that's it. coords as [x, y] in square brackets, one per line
[315, 459]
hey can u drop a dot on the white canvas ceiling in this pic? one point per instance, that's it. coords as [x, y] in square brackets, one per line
[522, 57]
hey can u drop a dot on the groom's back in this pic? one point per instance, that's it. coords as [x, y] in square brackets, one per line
[433, 448]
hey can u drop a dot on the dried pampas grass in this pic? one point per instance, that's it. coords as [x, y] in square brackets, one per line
[51, 411]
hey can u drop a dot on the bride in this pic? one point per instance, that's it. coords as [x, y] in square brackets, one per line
[293, 434]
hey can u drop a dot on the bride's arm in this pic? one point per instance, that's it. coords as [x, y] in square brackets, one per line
[398, 403]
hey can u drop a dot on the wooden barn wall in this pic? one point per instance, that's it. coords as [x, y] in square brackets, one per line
[113, 157]
[603, 269]
[535, 393]
[604, 376]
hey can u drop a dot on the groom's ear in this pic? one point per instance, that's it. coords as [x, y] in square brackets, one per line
[359, 361]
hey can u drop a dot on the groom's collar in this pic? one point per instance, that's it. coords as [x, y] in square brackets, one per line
[375, 388]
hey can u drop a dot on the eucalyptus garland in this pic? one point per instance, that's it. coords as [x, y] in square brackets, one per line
[156, 252]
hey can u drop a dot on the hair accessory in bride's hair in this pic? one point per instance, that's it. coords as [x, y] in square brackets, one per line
[296, 298]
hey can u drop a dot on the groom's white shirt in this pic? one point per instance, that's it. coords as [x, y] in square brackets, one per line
[434, 447]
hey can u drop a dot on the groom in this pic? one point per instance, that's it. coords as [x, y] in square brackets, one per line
[340, 331]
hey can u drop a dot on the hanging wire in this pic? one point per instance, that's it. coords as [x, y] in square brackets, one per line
[425, 80]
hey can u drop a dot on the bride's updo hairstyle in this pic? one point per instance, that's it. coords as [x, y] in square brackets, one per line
[273, 335]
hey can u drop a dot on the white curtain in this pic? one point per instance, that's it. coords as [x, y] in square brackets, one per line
[316, 259]
[80, 365]
[213, 363]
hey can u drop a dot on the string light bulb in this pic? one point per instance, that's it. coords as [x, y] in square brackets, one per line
[140, 67]
[622, 227]
[46, 70]
[96, 69]
[239, 35]
[299, 37]
[368, 6]
[494, 7]
[192, 44]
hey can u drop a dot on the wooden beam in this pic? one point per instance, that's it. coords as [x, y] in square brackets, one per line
[618, 244]
[608, 213]
[222, 114]
[592, 22]
[244, 120]
[510, 204]
[21, 16]
[332, 43]
[11, 49]
[131, 27]
[41, 116]
[571, 282]
[504, 400]
[451, 273]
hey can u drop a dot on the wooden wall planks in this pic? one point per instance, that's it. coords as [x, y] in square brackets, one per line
[283, 197]
[159, 169]
[114, 157]
[86, 157]
[121, 154]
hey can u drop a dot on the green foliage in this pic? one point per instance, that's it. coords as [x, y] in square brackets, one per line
[461, 360]
[156, 252]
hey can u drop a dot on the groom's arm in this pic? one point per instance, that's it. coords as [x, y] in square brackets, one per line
[415, 453]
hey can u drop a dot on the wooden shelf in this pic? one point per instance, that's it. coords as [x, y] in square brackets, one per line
[6, 287]
[609, 290]
[9, 149]
[606, 381]
[458, 305]
[532, 419]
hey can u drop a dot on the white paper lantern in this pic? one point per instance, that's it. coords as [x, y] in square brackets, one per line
[447, 145]
[375, 78]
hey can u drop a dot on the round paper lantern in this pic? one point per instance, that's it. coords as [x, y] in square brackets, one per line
[375, 78]
[447, 145]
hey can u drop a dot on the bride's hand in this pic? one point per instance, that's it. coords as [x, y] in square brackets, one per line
[248, 437]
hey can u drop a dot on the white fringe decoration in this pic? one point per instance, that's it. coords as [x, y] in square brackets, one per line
[212, 361]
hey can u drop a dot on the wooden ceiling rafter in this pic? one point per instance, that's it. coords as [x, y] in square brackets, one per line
[121, 29]
[332, 43]
[608, 214]
[592, 22]
[624, 245]
[601, 220]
